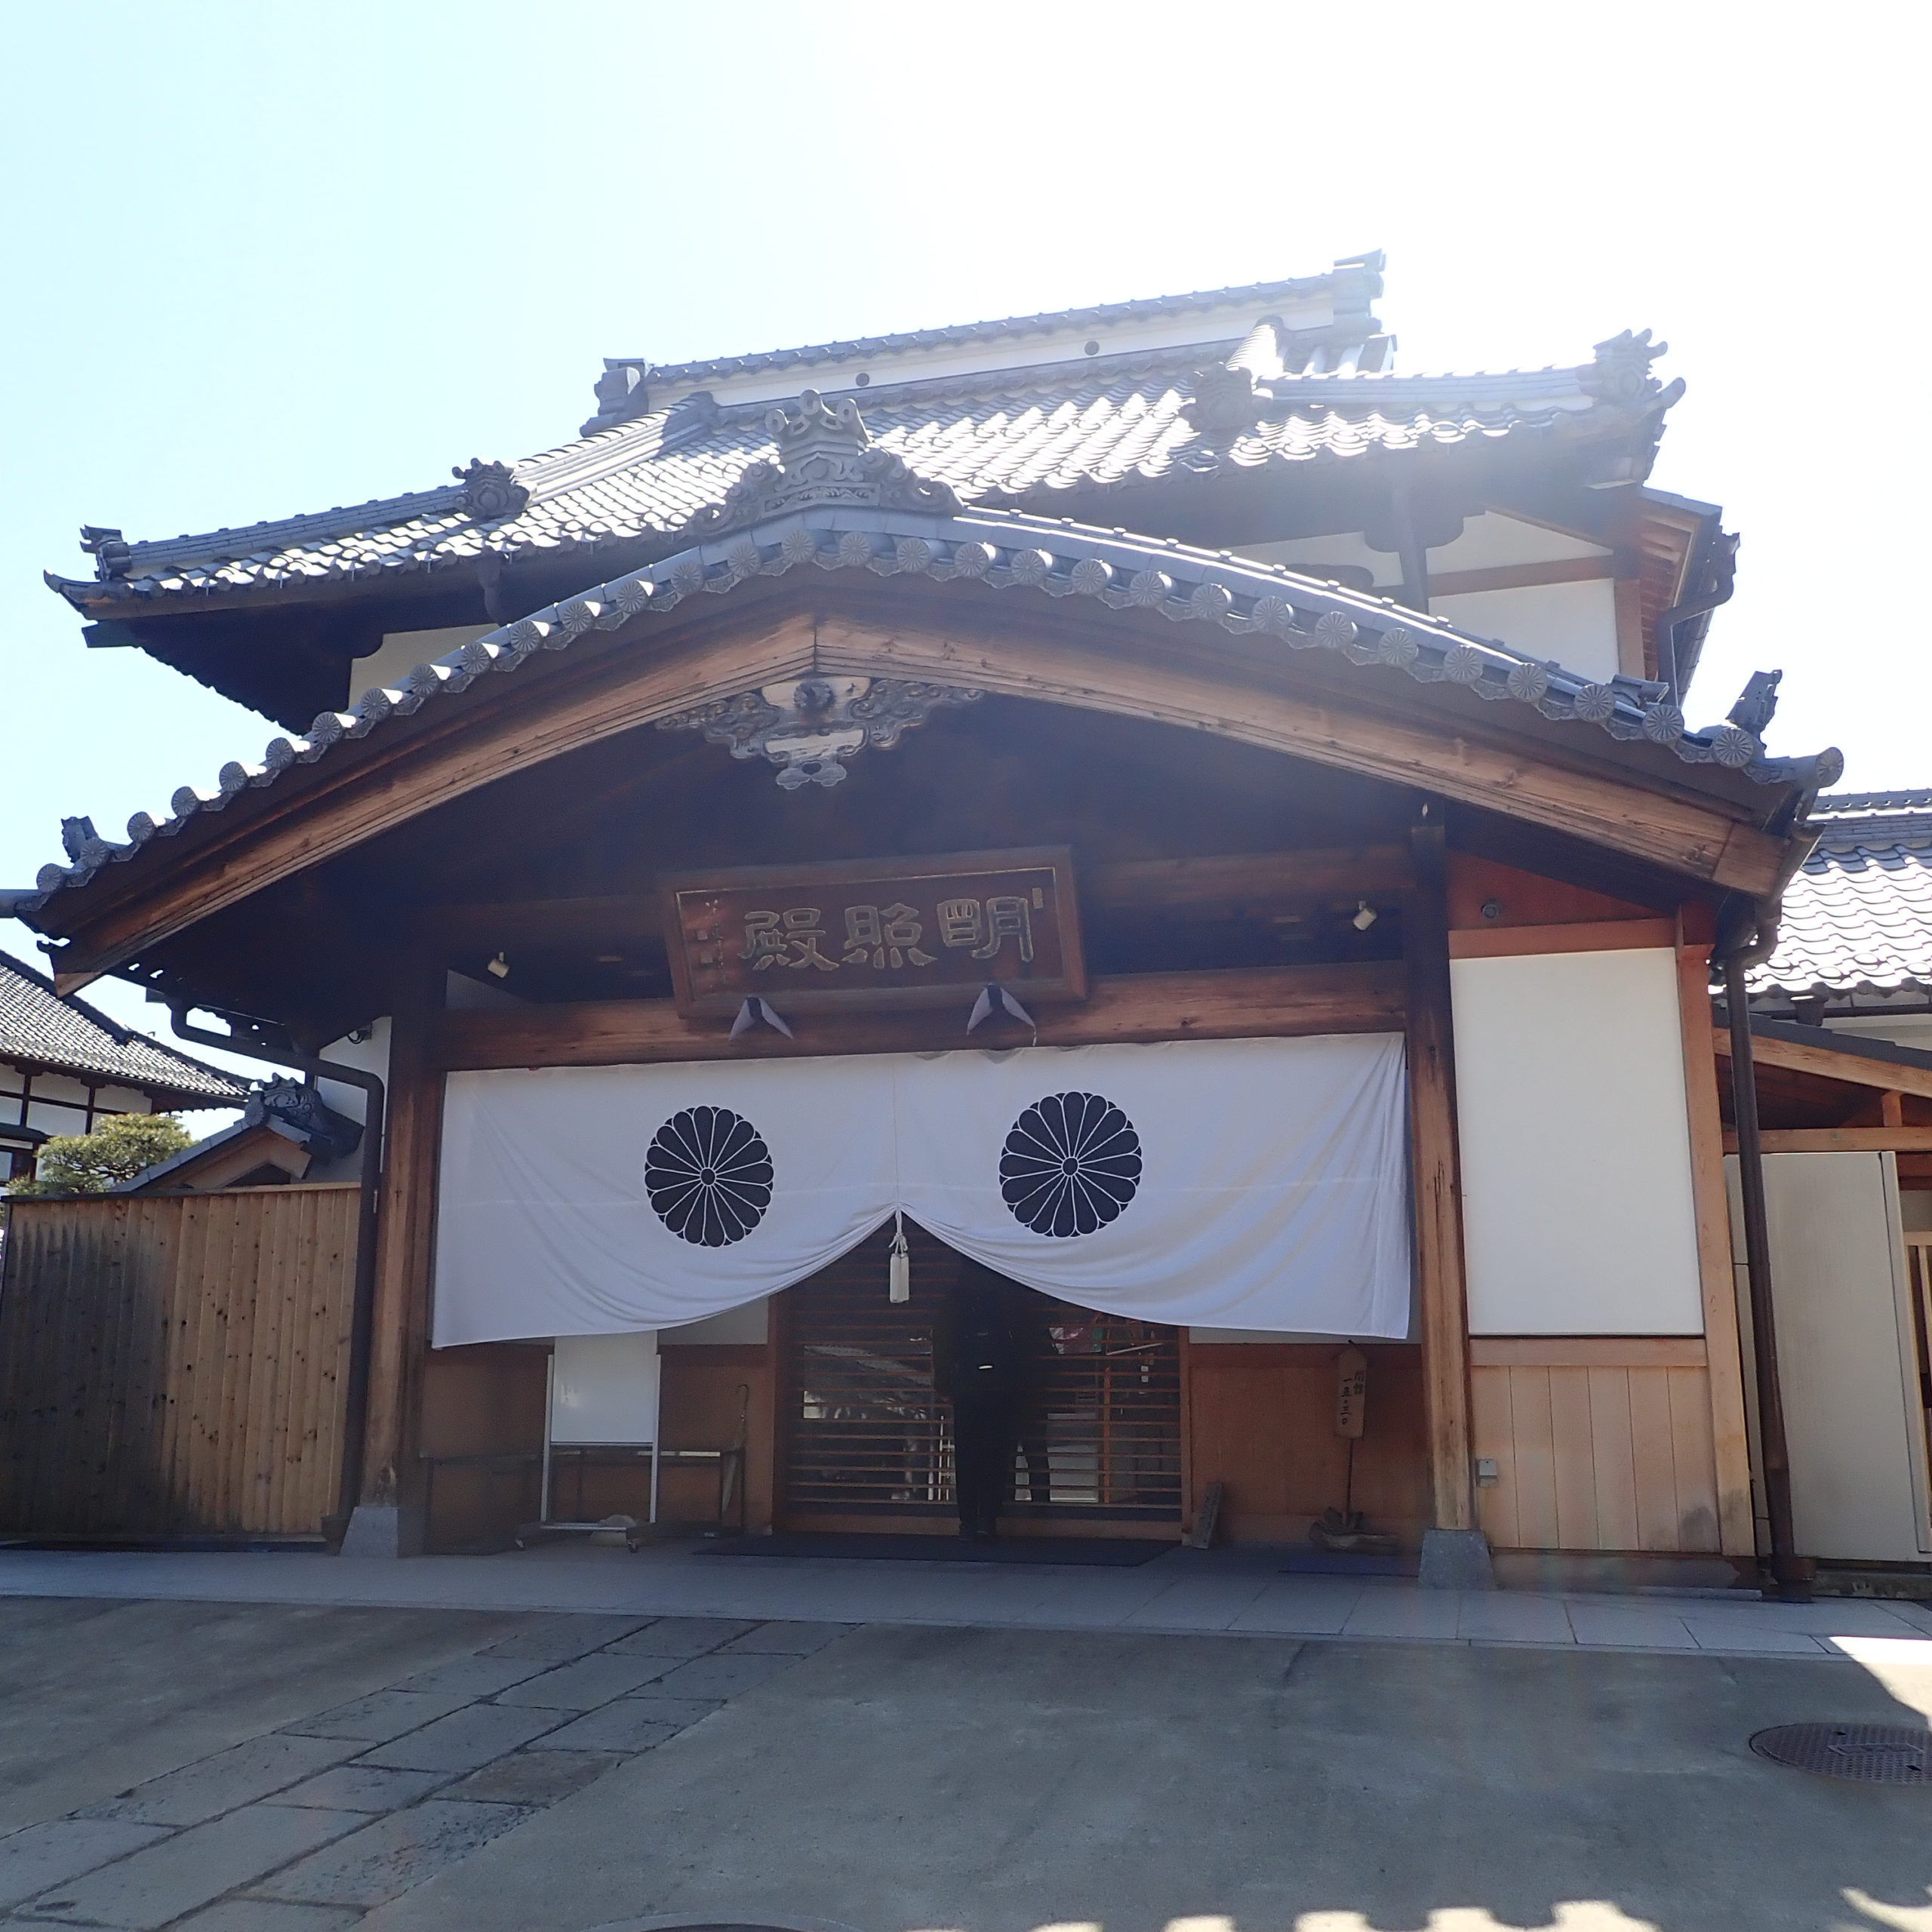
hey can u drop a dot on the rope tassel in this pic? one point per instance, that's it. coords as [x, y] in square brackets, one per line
[899, 1268]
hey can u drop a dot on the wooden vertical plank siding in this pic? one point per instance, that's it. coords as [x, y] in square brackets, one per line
[1441, 1293]
[1600, 1443]
[172, 1366]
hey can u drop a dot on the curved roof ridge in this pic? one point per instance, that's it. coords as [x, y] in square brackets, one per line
[1002, 550]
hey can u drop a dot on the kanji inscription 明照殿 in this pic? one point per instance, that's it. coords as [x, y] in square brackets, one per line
[888, 932]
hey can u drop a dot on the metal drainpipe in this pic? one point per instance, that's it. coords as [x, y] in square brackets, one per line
[1693, 607]
[1787, 1572]
[361, 1325]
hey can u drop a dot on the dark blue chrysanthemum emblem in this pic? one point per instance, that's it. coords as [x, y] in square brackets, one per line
[708, 1175]
[1071, 1164]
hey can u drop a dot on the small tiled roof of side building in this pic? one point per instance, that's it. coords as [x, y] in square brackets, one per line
[1857, 916]
[41, 1030]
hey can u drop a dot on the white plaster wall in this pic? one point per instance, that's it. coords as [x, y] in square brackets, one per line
[125, 1100]
[1577, 1213]
[401, 651]
[1575, 623]
[371, 1055]
[56, 1116]
[1847, 1357]
[1490, 538]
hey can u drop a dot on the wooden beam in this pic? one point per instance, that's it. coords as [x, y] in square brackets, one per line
[1232, 687]
[1519, 576]
[1582, 936]
[1710, 1200]
[1593, 1351]
[1261, 1002]
[1840, 1140]
[1205, 887]
[1435, 1165]
[405, 1227]
[1830, 1063]
[1204, 689]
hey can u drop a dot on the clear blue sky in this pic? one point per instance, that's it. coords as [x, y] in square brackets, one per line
[270, 258]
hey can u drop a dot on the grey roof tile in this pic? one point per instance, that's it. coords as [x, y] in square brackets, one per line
[38, 1028]
[1003, 549]
[1006, 439]
[1857, 915]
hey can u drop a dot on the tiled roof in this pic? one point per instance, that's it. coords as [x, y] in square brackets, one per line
[38, 1028]
[1011, 438]
[1858, 914]
[1351, 284]
[1004, 550]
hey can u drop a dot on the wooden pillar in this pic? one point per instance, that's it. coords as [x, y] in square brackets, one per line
[1730, 1440]
[1443, 1314]
[388, 1521]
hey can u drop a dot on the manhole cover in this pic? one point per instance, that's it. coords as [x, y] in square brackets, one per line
[1868, 1753]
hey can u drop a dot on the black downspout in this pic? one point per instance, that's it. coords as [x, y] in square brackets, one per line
[362, 1327]
[1694, 607]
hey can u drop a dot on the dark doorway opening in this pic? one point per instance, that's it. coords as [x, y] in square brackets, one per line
[867, 1444]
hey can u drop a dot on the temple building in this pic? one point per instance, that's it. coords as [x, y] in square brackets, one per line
[1154, 802]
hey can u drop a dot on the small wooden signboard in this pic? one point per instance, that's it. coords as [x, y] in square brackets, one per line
[876, 932]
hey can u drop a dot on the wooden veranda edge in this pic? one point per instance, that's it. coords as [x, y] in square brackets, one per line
[1243, 1003]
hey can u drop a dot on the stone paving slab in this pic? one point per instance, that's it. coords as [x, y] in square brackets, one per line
[477, 1676]
[385, 1858]
[271, 1915]
[193, 1868]
[685, 1636]
[535, 1777]
[630, 1724]
[464, 1741]
[721, 1677]
[795, 1640]
[41, 1856]
[365, 1788]
[239, 1776]
[588, 1681]
[378, 1718]
[559, 1638]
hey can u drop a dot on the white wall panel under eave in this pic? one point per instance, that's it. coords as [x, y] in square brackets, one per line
[1577, 1213]
[1575, 623]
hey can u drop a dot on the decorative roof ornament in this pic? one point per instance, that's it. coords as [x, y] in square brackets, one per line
[1757, 704]
[1620, 373]
[622, 391]
[108, 549]
[824, 455]
[1225, 397]
[812, 727]
[491, 492]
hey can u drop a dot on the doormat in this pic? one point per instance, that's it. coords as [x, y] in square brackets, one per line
[1117, 1553]
[1312, 1562]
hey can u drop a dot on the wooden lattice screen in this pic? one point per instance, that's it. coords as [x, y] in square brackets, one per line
[172, 1366]
[866, 1436]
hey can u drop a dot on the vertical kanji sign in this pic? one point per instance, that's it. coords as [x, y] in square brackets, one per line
[876, 932]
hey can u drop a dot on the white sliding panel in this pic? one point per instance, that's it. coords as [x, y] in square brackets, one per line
[1577, 1213]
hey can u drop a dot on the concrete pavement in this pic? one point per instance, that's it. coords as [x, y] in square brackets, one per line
[297, 1769]
[1237, 1592]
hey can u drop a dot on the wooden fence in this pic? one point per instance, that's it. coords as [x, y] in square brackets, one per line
[173, 1366]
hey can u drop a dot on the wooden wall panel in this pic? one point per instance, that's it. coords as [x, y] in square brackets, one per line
[172, 1366]
[1595, 1454]
[1260, 1421]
